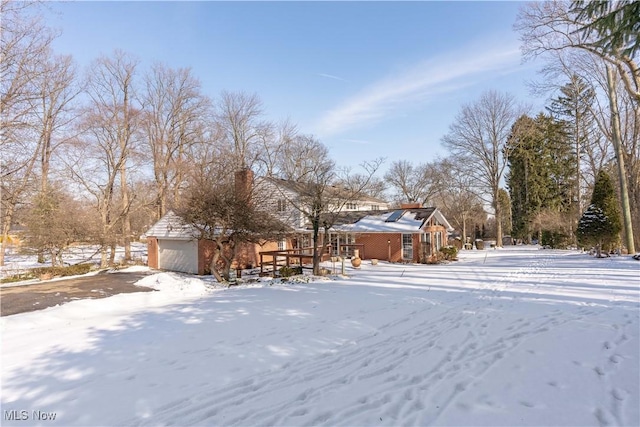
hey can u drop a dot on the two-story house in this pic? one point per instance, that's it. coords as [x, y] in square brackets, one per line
[291, 201]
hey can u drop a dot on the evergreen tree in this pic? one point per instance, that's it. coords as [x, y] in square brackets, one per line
[600, 225]
[616, 25]
[520, 178]
[540, 178]
[572, 108]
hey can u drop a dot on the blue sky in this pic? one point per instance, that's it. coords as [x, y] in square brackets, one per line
[369, 79]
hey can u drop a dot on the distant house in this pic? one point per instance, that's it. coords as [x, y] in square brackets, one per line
[408, 234]
[287, 197]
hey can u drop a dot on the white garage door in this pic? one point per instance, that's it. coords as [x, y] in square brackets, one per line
[178, 255]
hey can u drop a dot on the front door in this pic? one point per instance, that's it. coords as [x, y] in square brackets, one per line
[407, 247]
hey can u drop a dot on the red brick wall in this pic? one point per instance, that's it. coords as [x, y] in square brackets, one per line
[205, 255]
[247, 254]
[376, 246]
[244, 184]
[152, 252]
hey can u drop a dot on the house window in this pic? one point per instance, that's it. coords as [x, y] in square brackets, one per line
[438, 241]
[282, 205]
[407, 246]
[352, 206]
[375, 207]
[282, 245]
[335, 242]
[425, 246]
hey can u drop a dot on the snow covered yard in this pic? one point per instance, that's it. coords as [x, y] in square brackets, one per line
[17, 262]
[502, 337]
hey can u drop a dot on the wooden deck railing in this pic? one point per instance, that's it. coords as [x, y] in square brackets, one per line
[287, 257]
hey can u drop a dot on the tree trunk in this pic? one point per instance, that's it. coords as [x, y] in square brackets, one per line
[6, 225]
[226, 269]
[112, 255]
[464, 231]
[124, 147]
[498, 210]
[617, 144]
[316, 258]
[213, 266]
[126, 218]
[103, 256]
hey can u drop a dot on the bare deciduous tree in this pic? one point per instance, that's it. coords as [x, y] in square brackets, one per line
[413, 183]
[322, 190]
[239, 117]
[24, 45]
[174, 113]
[227, 212]
[111, 88]
[457, 199]
[477, 139]
[99, 161]
[54, 110]
[273, 140]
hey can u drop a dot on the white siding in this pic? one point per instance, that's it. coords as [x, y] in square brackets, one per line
[274, 197]
[178, 255]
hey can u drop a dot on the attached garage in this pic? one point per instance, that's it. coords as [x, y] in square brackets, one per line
[178, 255]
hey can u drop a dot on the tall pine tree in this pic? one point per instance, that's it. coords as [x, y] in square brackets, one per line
[540, 179]
[572, 108]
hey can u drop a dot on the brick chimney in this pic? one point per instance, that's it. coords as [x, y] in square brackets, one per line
[412, 205]
[244, 184]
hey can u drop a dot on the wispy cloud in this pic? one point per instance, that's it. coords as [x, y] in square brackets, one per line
[356, 141]
[331, 76]
[418, 84]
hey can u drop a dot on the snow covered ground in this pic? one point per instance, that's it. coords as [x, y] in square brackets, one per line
[518, 336]
[17, 262]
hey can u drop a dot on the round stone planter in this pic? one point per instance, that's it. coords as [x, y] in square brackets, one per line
[356, 261]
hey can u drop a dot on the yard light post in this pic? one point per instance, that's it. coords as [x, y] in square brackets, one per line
[389, 249]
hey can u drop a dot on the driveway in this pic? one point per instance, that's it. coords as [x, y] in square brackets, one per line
[21, 299]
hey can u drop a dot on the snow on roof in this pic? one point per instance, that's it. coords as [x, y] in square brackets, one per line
[408, 221]
[171, 226]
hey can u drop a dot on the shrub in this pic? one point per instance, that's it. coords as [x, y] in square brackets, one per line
[436, 258]
[450, 253]
[555, 239]
[290, 271]
[18, 277]
[71, 270]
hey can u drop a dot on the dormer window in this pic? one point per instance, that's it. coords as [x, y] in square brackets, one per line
[282, 205]
[351, 206]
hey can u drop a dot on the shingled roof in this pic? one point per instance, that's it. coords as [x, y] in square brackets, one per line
[335, 191]
[388, 221]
